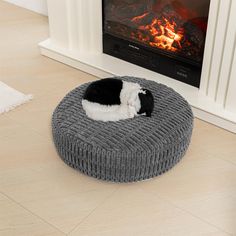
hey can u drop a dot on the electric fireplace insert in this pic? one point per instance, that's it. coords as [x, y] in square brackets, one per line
[166, 36]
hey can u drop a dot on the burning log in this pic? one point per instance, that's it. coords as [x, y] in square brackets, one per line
[194, 34]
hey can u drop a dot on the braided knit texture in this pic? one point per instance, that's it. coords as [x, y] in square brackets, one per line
[128, 150]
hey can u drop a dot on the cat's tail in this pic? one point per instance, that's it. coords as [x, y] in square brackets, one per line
[106, 113]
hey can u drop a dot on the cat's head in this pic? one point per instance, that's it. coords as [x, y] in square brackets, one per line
[146, 102]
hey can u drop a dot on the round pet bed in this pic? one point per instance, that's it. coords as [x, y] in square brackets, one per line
[127, 150]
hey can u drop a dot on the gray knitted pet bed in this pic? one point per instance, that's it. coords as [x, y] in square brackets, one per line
[127, 150]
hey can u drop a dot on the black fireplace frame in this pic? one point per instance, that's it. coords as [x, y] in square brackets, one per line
[157, 60]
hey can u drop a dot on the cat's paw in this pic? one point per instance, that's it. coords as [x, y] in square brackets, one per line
[131, 112]
[131, 103]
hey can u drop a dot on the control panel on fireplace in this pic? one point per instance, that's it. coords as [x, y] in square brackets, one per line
[166, 36]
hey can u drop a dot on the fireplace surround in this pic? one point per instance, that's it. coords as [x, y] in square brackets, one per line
[76, 35]
[166, 36]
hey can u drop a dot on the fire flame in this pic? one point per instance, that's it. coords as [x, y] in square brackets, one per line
[161, 33]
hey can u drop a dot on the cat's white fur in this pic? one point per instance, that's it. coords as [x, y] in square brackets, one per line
[130, 105]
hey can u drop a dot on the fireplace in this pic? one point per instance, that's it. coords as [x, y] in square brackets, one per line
[77, 35]
[166, 36]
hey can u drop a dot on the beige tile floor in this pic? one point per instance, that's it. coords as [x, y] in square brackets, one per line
[40, 195]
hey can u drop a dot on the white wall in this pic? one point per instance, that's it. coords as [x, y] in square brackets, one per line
[39, 6]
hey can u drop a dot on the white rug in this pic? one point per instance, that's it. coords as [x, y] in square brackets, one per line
[11, 98]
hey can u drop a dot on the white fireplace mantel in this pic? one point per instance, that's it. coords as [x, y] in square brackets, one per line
[76, 40]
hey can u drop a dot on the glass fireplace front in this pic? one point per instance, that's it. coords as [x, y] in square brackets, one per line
[166, 36]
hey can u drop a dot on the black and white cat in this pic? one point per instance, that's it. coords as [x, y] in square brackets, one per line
[114, 99]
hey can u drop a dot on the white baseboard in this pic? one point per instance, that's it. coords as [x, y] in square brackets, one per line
[102, 65]
[39, 6]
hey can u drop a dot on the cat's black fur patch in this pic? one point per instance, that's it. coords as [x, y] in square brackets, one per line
[147, 102]
[104, 91]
